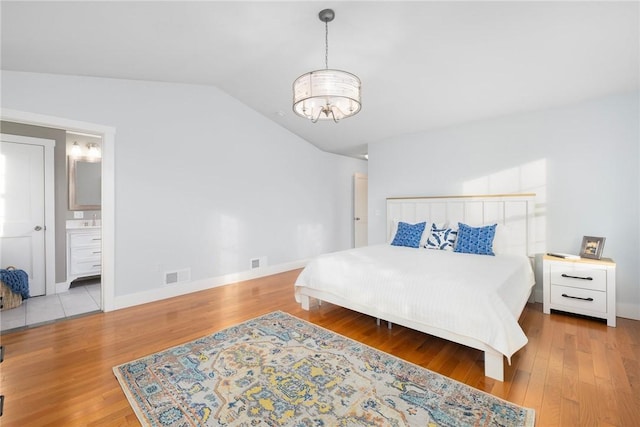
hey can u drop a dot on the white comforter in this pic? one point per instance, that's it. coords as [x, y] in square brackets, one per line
[475, 296]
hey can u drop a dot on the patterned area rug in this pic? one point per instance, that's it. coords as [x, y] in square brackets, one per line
[278, 370]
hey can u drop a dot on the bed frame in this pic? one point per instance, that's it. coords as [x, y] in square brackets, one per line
[513, 212]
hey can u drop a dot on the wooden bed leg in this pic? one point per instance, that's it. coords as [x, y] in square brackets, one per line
[494, 365]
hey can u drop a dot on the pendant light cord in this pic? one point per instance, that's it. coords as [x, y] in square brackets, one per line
[326, 45]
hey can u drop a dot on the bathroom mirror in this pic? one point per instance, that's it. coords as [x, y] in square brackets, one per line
[85, 178]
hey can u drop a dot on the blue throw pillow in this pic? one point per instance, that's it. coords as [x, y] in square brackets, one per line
[441, 238]
[409, 234]
[475, 240]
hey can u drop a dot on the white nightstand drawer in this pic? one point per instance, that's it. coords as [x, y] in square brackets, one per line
[580, 278]
[584, 299]
[589, 286]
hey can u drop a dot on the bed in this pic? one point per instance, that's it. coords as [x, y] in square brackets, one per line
[471, 299]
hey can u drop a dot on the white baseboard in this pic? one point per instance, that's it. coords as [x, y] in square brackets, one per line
[171, 291]
[628, 311]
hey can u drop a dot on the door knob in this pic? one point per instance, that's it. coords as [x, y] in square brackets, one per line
[357, 219]
[37, 228]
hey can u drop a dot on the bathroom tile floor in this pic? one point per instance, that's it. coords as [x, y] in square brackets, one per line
[33, 311]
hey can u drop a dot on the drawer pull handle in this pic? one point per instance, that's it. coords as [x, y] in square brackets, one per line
[96, 252]
[97, 265]
[583, 299]
[97, 238]
[577, 277]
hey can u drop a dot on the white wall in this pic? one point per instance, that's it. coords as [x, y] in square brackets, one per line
[201, 181]
[582, 161]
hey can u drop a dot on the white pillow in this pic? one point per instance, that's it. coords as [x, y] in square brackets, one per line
[441, 238]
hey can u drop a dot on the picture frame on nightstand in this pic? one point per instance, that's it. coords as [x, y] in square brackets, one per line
[592, 247]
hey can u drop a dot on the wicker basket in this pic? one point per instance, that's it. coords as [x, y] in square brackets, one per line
[9, 298]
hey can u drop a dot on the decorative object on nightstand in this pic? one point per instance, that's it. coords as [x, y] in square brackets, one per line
[592, 247]
[580, 286]
[563, 255]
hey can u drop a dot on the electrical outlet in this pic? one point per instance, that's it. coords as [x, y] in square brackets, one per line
[78, 215]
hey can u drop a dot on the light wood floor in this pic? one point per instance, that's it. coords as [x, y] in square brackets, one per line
[573, 372]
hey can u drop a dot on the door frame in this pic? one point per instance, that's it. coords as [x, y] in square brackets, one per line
[48, 146]
[108, 187]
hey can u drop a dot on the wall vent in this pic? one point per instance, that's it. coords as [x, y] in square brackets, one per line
[170, 278]
[259, 262]
[177, 276]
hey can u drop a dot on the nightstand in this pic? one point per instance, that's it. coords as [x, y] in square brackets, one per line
[581, 286]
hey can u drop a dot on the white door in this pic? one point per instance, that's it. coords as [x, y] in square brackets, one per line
[360, 210]
[22, 211]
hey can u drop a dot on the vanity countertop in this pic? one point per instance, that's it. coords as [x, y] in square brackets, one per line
[73, 224]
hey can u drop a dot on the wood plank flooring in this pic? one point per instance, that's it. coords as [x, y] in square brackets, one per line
[573, 371]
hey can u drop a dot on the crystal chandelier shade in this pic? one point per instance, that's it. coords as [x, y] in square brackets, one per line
[326, 94]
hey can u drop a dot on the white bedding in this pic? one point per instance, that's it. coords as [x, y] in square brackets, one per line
[476, 296]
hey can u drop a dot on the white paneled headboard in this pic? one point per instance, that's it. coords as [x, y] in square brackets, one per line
[514, 214]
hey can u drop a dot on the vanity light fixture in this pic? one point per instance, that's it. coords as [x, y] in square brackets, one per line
[94, 151]
[76, 151]
[326, 94]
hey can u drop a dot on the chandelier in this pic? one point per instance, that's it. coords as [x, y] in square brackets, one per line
[326, 94]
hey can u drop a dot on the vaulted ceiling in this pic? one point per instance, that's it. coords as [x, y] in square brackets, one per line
[423, 65]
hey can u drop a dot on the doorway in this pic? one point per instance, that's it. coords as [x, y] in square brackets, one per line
[31, 226]
[107, 292]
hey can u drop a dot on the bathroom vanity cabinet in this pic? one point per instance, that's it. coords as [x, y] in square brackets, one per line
[84, 252]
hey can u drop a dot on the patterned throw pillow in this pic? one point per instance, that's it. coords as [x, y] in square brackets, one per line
[409, 234]
[475, 240]
[441, 238]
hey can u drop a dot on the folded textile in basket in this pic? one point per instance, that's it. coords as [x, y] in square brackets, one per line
[16, 280]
